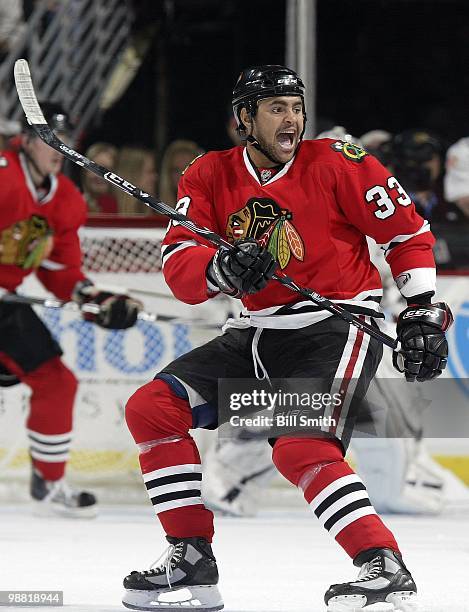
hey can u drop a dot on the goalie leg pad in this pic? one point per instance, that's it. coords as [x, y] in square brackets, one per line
[236, 472]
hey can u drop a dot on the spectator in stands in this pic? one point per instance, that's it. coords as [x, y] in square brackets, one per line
[456, 181]
[338, 132]
[378, 143]
[417, 161]
[136, 165]
[232, 130]
[176, 158]
[96, 191]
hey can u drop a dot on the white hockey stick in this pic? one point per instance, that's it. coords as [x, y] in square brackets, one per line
[35, 117]
[17, 298]
[130, 290]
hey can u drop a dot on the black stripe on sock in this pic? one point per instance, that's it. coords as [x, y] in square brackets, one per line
[164, 480]
[342, 492]
[160, 499]
[66, 441]
[360, 503]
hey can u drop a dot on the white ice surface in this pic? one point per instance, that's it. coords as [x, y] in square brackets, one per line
[278, 562]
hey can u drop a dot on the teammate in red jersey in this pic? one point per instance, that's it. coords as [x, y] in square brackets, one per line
[306, 207]
[40, 214]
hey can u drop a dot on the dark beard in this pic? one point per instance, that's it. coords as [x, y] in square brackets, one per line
[264, 146]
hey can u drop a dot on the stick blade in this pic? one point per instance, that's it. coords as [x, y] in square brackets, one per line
[27, 95]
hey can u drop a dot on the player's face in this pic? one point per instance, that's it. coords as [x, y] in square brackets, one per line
[46, 159]
[278, 125]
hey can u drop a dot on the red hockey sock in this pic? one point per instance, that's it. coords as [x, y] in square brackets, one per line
[335, 493]
[159, 422]
[49, 423]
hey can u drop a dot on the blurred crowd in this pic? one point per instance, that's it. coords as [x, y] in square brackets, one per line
[435, 176]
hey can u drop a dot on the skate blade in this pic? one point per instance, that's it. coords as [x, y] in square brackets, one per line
[404, 601]
[49, 510]
[400, 601]
[202, 598]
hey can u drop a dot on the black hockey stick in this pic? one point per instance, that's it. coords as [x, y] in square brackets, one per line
[35, 117]
[18, 298]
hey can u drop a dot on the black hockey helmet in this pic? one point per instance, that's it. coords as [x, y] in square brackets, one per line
[411, 152]
[260, 82]
[416, 146]
[56, 117]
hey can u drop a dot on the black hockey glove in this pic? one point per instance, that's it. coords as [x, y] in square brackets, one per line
[424, 349]
[116, 311]
[246, 269]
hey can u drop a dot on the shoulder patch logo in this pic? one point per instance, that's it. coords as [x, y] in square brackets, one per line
[349, 150]
[3, 162]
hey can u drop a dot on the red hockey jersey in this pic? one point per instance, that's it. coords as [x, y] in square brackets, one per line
[313, 216]
[38, 232]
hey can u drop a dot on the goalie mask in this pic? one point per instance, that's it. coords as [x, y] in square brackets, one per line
[261, 82]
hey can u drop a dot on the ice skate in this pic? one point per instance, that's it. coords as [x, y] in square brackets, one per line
[384, 584]
[185, 580]
[56, 498]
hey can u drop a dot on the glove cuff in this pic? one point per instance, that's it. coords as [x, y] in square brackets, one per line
[422, 298]
[83, 291]
[438, 315]
[217, 278]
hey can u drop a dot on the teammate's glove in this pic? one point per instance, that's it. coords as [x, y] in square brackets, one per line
[116, 311]
[246, 269]
[424, 349]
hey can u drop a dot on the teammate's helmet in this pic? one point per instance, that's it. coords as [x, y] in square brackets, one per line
[416, 146]
[55, 116]
[260, 82]
[411, 150]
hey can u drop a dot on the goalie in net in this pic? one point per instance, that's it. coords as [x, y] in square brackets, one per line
[41, 212]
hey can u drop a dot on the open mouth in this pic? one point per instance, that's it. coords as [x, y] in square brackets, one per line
[286, 140]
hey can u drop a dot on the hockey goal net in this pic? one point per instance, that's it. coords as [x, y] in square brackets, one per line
[110, 365]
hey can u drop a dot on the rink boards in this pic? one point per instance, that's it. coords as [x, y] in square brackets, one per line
[111, 365]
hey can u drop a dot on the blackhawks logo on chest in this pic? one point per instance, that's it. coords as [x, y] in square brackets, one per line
[272, 227]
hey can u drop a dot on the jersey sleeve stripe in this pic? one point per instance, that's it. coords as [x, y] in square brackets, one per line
[388, 246]
[169, 250]
[48, 264]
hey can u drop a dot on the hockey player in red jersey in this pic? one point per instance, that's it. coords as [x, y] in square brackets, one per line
[41, 212]
[306, 207]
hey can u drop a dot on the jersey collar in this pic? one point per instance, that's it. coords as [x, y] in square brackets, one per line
[252, 171]
[40, 199]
